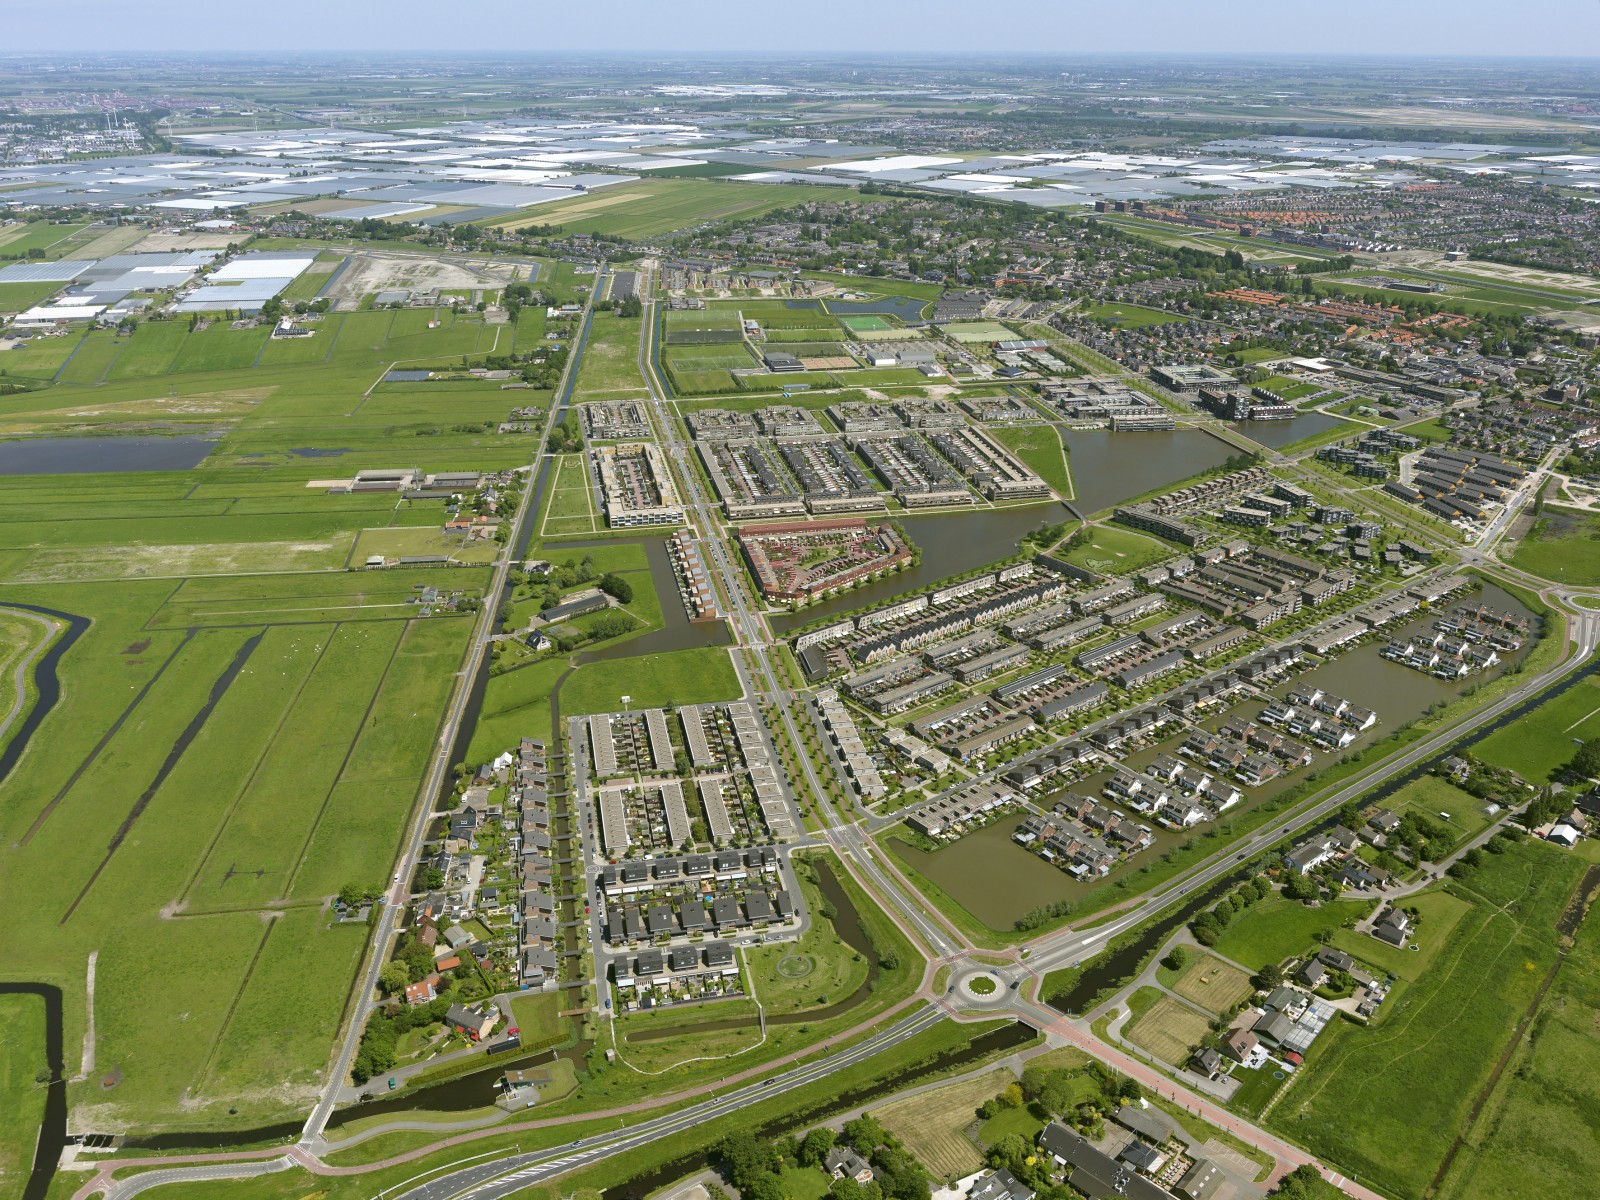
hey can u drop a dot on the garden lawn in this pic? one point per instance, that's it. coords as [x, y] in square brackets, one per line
[1273, 929]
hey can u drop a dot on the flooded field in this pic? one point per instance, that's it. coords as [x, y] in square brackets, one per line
[96, 455]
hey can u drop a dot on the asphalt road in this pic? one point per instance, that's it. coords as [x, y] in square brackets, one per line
[506, 1176]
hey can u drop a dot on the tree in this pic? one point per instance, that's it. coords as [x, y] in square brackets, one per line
[815, 1146]
[1176, 959]
[394, 976]
[1586, 762]
[1011, 1097]
[1269, 977]
[618, 586]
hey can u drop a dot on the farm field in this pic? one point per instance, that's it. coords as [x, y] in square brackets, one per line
[657, 206]
[22, 1055]
[1550, 1094]
[1211, 983]
[243, 727]
[1167, 1029]
[1414, 1075]
[1433, 797]
[1544, 743]
[933, 1126]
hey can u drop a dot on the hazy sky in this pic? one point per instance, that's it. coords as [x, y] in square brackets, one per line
[1546, 27]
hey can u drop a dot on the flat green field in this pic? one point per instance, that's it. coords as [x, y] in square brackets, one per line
[1413, 1076]
[1549, 1096]
[1041, 448]
[1542, 744]
[22, 1056]
[1112, 550]
[1132, 316]
[1211, 983]
[699, 676]
[657, 206]
[610, 359]
[1168, 1029]
[243, 728]
[1273, 929]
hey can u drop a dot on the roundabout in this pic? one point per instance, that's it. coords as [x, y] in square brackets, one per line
[981, 988]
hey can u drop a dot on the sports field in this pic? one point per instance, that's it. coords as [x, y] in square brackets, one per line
[973, 332]
[865, 324]
[1168, 1029]
[656, 206]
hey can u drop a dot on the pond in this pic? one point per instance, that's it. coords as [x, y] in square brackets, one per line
[1281, 433]
[1108, 468]
[97, 455]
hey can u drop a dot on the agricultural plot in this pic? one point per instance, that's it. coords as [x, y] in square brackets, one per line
[150, 351]
[1168, 1029]
[1549, 1096]
[407, 543]
[1212, 984]
[19, 297]
[657, 206]
[92, 357]
[1545, 742]
[18, 240]
[933, 1126]
[703, 675]
[41, 357]
[1413, 1076]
